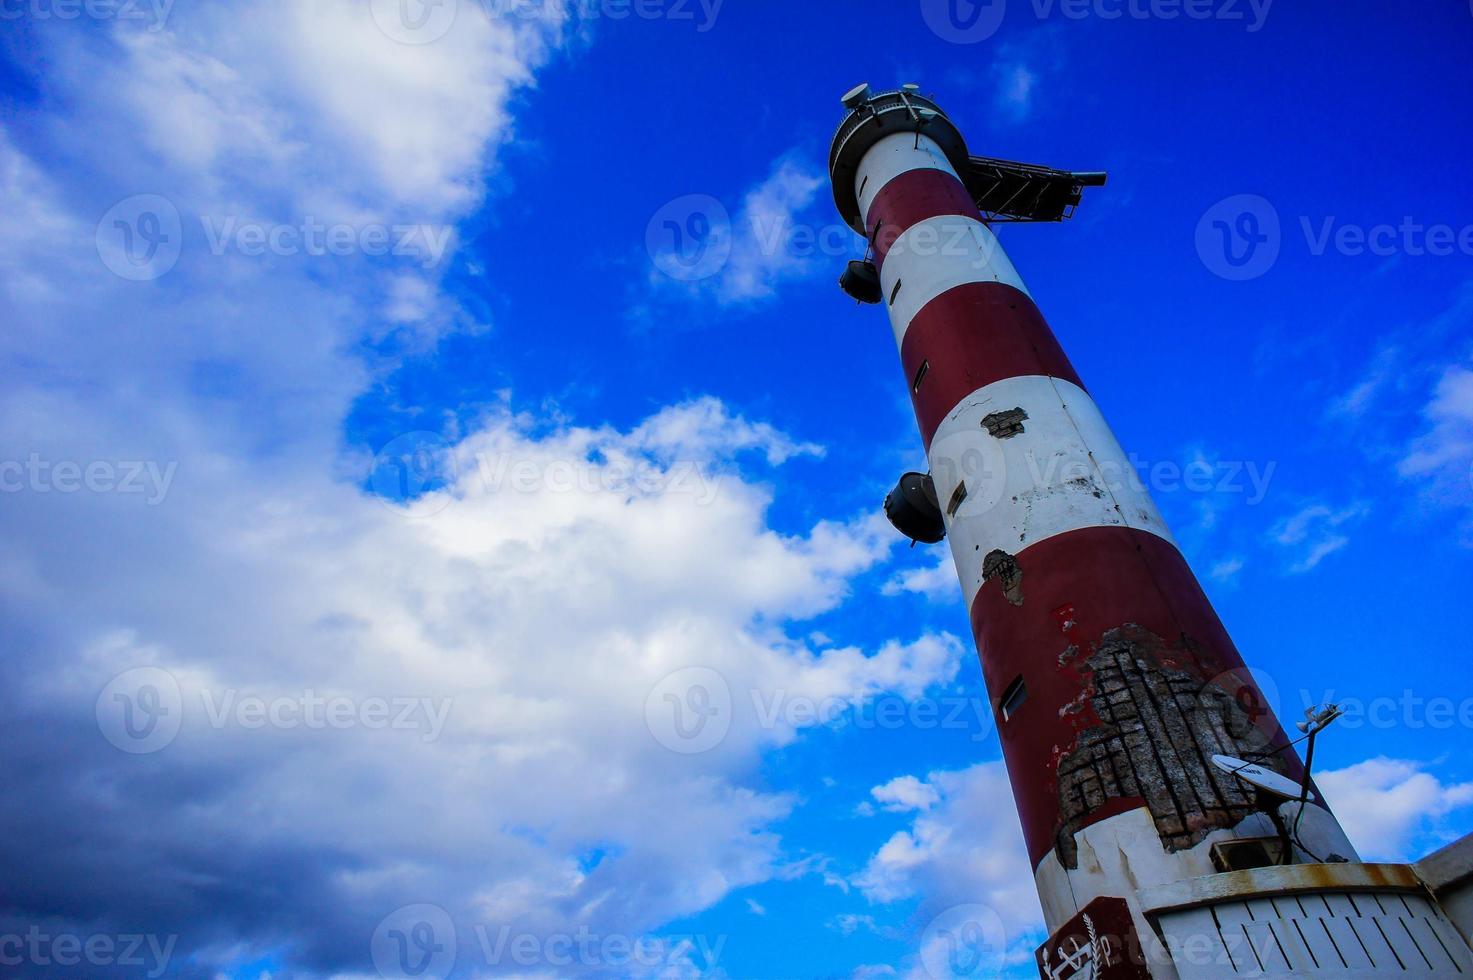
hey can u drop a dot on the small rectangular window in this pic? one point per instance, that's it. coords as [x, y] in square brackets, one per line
[957, 496]
[1013, 698]
[915, 385]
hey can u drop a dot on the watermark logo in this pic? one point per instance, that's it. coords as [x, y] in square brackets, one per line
[67, 476]
[1239, 237]
[140, 710]
[140, 237]
[1245, 477]
[316, 712]
[887, 712]
[1253, 14]
[414, 21]
[694, 237]
[1254, 722]
[1407, 237]
[689, 710]
[423, 243]
[133, 952]
[964, 941]
[152, 13]
[410, 466]
[970, 472]
[963, 21]
[420, 941]
[971, 21]
[420, 463]
[414, 941]
[1408, 710]
[500, 472]
[609, 953]
[701, 13]
[690, 237]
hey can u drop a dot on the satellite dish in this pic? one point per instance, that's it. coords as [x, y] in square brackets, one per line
[857, 96]
[1265, 779]
[910, 87]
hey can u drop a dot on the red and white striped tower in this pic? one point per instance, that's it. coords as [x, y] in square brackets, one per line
[1113, 681]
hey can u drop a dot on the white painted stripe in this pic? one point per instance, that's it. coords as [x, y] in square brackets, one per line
[1063, 472]
[892, 156]
[1110, 853]
[938, 254]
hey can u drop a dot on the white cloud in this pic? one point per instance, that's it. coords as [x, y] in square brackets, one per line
[688, 434]
[964, 846]
[1388, 805]
[1315, 532]
[1442, 456]
[756, 907]
[1017, 72]
[778, 235]
[849, 923]
[1015, 90]
[1382, 372]
[546, 617]
[316, 99]
[763, 255]
[936, 581]
[1227, 569]
[1412, 411]
[545, 614]
[904, 793]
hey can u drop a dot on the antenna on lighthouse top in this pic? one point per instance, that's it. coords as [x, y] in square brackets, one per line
[857, 96]
[1003, 190]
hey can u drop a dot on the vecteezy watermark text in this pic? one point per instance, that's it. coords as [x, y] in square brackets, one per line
[422, 940]
[426, 21]
[151, 12]
[1162, 476]
[35, 474]
[1241, 237]
[694, 237]
[37, 948]
[691, 711]
[424, 243]
[142, 237]
[316, 712]
[504, 946]
[416, 464]
[701, 13]
[1406, 710]
[141, 711]
[974, 21]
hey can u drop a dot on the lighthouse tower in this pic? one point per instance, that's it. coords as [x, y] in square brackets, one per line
[1172, 828]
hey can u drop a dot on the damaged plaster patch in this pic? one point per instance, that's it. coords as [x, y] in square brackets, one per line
[1004, 567]
[1005, 425]
[1160, 727]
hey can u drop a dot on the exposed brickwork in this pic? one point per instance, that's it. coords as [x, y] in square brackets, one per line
[1160, 727]
[1005, 425]
[1004, 567]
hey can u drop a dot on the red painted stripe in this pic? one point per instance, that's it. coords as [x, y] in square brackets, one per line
[971, 336]
[1075, 587]
[911, 197]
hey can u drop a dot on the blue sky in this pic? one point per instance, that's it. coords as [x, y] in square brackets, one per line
[619, 476]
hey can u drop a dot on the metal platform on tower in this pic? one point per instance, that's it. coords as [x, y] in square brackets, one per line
[1005, 190]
